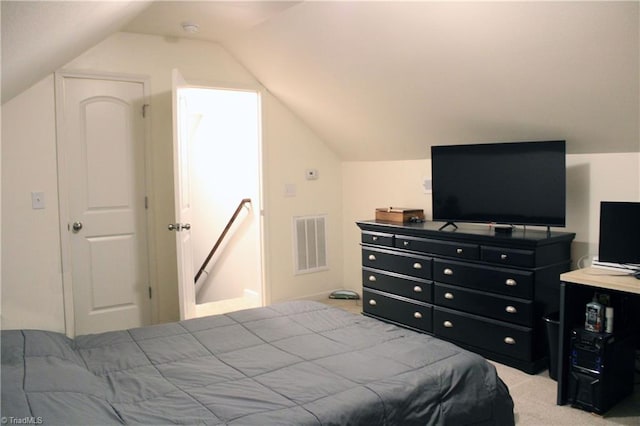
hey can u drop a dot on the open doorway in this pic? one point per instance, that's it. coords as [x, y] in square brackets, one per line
[223, 134]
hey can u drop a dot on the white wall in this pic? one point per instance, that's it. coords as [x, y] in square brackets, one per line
[591, 178]
[31, 275]
[31, 259]
[288, 151]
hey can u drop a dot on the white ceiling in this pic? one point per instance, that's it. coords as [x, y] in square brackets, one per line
[385, 80]
[217, 20]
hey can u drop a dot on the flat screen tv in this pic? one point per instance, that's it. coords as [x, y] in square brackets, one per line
[513, 183]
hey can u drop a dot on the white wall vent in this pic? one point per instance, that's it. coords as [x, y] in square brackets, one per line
[310, 243]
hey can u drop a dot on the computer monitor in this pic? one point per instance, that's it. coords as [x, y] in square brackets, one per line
[619, 233]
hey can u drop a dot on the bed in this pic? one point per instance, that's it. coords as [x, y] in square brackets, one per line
[293, 363]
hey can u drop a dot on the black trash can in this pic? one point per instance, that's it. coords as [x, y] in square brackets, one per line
[552, 321]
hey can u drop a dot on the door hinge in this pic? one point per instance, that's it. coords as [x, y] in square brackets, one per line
[144, 110]
[146, 202]
[149, 292]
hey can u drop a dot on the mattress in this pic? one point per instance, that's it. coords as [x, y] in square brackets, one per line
[293, 363]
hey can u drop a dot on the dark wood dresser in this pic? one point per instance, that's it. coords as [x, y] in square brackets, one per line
[485, 291]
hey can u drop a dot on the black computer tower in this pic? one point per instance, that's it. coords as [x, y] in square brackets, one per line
[601, 369]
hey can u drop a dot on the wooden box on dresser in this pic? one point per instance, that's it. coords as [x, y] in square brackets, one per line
[485, 291]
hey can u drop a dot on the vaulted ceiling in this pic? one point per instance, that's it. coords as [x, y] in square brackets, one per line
[386, 80]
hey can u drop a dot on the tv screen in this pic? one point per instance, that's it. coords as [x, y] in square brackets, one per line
[515, 183]
[619, 232]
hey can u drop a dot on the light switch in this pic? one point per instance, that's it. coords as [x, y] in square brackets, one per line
[37, 200]
[426, 185]
[289, 190]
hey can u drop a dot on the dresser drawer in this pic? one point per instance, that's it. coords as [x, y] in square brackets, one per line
[377, 238]
[510, 282]
[503, 308]
[398, 309]
[413, 288]
[507, 339]
[443, 248]
[394, 261]
[509, 257]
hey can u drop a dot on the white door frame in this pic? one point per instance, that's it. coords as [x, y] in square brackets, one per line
[63, 192]
[265, 296]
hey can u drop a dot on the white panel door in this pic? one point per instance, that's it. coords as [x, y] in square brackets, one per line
[182, 227]
[103, 156]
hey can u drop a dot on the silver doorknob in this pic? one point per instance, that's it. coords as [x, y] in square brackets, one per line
[77, 226]
[178, 226]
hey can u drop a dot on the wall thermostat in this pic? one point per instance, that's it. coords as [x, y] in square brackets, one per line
[311, 174]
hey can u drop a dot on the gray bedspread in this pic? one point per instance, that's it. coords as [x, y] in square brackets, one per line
[294, 363]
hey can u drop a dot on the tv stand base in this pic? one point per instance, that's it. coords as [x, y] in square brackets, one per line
[503, 229]
[447, 224]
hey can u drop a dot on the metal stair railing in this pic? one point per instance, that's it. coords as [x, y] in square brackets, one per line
[221, 238]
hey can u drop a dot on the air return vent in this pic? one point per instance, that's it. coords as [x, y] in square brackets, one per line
[310, 243]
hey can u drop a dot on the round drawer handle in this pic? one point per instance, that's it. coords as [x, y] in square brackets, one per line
[448, 296]
[511, 282]
[459, 251]
[417, 315]
[372, 278]
[405, 243]
[510, 340]
[511, 309]
[417, 265]
[417, 289]
[374, 238]
[448, 324]
[372, 257]
[372, 302]
[503, 257]
[448, 271]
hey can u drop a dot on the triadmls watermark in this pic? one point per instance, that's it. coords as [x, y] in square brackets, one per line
[30, 420]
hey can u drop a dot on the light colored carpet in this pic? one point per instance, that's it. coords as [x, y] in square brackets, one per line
[534, 396]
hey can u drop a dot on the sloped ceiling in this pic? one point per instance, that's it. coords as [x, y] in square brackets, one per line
[38, 37]
[385, 80]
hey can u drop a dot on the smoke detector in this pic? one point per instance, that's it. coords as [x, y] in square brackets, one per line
[190, 27]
